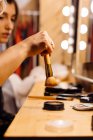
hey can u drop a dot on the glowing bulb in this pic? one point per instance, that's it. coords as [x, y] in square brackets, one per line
[73, 70]
[70, 49]
[66, 11]
[64, 44]
[71, 31]
[71, 19]
[83, 29]
[70, 40]
[91, 6]
[65, 28]
[82, 45]
[84, 12]
[72, 9]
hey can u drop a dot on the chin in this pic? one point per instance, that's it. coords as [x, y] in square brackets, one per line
[3, 40]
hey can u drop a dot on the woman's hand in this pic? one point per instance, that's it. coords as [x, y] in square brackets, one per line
[39, 43]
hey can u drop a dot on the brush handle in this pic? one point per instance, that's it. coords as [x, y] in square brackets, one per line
[51, 98]
[48, 67]
[47, 59]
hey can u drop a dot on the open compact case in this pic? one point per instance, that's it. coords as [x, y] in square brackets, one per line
[64, 89]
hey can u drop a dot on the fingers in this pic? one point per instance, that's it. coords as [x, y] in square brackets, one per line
[39, 43]
[49, 44]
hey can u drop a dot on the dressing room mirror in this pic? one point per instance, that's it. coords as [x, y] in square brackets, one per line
[82, 65]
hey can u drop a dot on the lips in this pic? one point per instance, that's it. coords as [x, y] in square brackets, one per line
[5, 35]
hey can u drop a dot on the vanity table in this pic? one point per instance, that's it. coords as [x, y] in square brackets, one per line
[32, 119]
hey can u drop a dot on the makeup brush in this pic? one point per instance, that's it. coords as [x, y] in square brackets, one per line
[51, 98]
[50, 80]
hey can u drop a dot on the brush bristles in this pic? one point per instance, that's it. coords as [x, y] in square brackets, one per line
[51, 81]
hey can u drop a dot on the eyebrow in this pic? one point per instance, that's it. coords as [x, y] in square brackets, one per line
[4, 13]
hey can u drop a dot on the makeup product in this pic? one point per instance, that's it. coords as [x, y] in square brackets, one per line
[83, 107]
[86, 99]
[57, 89]
[74, 95]
[59, 126]
[90, 94]
[53, 105]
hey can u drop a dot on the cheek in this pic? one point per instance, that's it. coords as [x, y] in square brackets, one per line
[2, 27]
[1, 31]
[12, 27]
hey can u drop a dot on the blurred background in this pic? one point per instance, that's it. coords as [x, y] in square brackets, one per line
[70, 25]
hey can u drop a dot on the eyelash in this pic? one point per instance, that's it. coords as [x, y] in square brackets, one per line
[13, 20]
[1, 17]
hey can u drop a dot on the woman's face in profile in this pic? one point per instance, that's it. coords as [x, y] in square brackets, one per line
[7, 22]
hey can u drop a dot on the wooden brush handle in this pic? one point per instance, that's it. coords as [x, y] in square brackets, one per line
[51, 98]
[48, 67]
[47, 59]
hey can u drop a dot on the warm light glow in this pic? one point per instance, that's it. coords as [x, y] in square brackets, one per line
[65, 28]
[70, 49]
[83, 29]
[84, 12]
[72, 9]
[92, 6]
[73, 70]
[71, 31]
[82, 45]
[71, 19]
[70, 40]
[64, 44]
[66, 11]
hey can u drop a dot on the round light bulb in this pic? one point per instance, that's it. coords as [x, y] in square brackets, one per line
[84, 12]
[70, 49]
[82, 45]
[66, 11]
[65, 28]
[64, 45]
[83, 29]
[72, 9]
[71, 40]
[91, 6]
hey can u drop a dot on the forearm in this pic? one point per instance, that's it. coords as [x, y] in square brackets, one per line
[10, 60]
[15, 55]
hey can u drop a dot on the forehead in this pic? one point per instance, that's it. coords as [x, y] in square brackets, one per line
[10, 9]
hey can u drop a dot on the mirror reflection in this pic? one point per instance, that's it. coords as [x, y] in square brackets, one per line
[83, 51]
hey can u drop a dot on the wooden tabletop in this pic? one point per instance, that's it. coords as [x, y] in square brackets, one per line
[32, 119]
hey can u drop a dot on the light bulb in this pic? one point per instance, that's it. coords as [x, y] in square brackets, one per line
[66, 11]
[82, 45]
[64, 44]
[83, 29]
[65, 28]
[84, 12]
[70, 49]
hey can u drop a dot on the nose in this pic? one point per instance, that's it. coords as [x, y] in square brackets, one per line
[9, 25]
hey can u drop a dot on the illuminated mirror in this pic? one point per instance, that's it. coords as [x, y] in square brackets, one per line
[83, 61]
